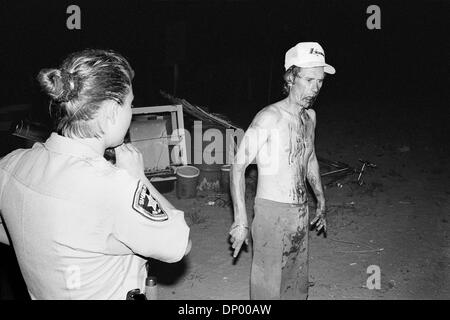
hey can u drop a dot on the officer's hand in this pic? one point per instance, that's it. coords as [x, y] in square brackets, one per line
[238, 235]
[128, 157]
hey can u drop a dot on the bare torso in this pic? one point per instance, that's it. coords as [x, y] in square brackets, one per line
[283, 161]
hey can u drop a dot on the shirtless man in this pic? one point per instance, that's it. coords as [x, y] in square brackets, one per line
[281, 138]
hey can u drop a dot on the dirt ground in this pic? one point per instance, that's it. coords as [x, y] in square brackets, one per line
[397, 220]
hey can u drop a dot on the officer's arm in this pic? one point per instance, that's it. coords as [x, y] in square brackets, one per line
[3, 235]
[147, 226]
[166, 205]
[162, 200]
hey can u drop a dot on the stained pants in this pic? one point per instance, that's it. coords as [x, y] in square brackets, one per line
[280, 251]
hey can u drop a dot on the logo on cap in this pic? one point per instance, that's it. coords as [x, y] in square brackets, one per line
[314, 51]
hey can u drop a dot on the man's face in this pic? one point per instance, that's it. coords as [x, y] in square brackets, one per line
[306, 86]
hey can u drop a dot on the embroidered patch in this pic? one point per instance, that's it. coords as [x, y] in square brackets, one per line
[147, 205]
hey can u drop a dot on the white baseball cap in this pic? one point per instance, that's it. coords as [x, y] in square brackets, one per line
[307, 54]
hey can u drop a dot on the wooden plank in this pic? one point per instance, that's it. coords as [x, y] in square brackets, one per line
[155, 109]
[182, 134]
[162, 179]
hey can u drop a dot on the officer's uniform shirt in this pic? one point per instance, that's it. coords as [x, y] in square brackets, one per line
[79, 225]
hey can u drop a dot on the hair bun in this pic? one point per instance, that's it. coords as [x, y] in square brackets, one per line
[51, 81]
[61, 85]
[71, 85]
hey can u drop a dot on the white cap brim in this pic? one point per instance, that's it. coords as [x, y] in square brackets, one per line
[326, 67]
[329, 69]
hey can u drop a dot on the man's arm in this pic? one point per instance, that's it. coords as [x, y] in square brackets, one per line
[313, 176]
[255, 137]
[314, 180]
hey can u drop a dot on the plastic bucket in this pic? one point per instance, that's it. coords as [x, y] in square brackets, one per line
[225, 177]
[209, 178]
[187, 180]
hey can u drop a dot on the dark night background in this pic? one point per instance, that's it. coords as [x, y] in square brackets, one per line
[227, 51]
[230, 55]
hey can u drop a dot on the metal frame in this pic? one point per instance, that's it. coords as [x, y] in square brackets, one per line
[176, 113]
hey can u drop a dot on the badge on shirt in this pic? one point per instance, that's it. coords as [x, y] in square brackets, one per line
[147, 205]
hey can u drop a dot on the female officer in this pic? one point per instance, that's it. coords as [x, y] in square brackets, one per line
[80, 226]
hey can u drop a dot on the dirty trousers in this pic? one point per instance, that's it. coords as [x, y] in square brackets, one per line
[280, 251]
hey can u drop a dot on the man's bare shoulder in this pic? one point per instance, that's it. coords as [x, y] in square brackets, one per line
[312, 115]
[267, 117]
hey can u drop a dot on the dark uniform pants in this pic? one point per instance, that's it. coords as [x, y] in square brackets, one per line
[280, 251]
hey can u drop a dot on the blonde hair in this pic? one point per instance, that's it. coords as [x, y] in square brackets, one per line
[79, 87]
[292, 72]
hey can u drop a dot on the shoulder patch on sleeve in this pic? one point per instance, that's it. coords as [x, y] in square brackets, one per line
[147, 205]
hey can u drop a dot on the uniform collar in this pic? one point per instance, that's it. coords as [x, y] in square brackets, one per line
[61, 144]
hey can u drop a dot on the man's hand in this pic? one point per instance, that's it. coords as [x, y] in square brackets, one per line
[128, 157]
[319, 222]
[238, 234]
